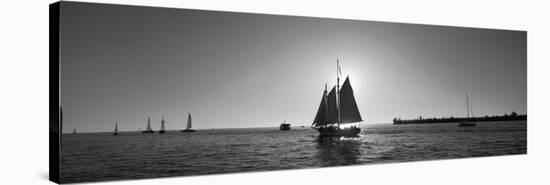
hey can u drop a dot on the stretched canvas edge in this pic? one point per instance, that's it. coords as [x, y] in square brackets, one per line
[54, 112]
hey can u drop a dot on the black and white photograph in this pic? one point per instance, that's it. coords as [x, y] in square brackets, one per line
[274, 92]
[148, 92]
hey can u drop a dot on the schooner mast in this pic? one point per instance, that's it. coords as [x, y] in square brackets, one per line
[338, 73]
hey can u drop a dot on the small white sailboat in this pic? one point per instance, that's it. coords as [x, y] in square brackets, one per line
[116, 129]
[148, 130]
[162, 130]
[188, 128]
[466, 123]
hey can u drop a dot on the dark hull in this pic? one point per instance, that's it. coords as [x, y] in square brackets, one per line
[162, 132]
[188, 130]
[147, 132]
[284, 127]
[114, 134]
[467, 124]
[347, 132]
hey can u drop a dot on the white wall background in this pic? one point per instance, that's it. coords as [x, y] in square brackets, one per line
[24, 91]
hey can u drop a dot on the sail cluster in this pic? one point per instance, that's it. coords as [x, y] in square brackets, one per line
[338, 107]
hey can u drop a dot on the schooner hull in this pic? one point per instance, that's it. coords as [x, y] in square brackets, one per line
[188, 130]
[347, 132]
[147, 131]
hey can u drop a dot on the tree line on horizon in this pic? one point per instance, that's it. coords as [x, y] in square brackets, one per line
[420, 120]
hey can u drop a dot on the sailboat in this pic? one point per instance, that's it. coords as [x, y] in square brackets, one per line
[116, 129]
[465, 123]
[74, 130]
[148, 130]
[337, 108]
[188, 128]
[162, 130]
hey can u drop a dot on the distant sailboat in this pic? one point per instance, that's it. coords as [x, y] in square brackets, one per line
[465, 123]
[148, 130]
[74, 131]
[116, 129]
[336, 108]
[188, 128]
[162, 130]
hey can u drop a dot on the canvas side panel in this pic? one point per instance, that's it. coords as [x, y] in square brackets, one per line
[55, 128]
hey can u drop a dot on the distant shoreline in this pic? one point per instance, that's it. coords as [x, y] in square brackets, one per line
[200, 129]
[506, 117]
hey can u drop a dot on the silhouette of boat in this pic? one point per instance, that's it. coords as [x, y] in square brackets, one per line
[188, 128]
[116, 129]
[338, 107]
[284, 126]
[74, 131]
[162, 130]
[148, 130]
[466, 123]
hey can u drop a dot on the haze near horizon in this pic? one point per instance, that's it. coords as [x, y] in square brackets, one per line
[231, 70]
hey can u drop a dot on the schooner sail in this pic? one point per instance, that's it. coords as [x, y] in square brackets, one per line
[162, 130]
[332, 104]
[321, 116]
[349, 113]
[337, 107]
[148, 130]
[188, 128]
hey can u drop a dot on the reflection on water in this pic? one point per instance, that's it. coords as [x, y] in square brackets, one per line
[102, 156]
[333, 151]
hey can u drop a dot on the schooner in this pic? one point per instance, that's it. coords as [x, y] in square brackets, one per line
[188, 128]
[338, 107]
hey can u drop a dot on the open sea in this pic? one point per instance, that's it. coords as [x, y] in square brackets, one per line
[87, 157]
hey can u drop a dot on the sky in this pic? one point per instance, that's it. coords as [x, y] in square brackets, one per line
[235, 70]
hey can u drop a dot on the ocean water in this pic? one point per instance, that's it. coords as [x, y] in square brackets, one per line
[102, 156]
